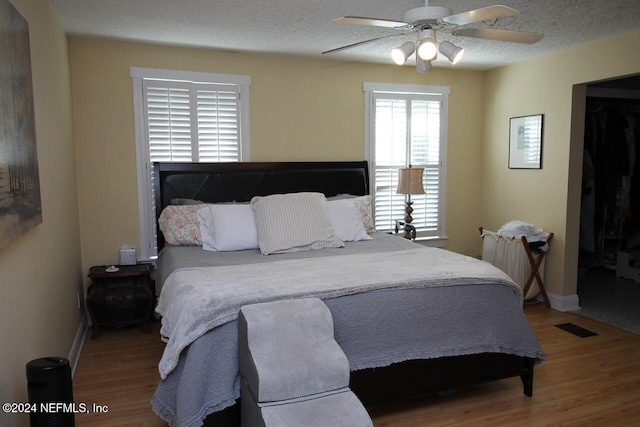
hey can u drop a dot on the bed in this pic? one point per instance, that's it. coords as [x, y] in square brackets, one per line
[409, 318]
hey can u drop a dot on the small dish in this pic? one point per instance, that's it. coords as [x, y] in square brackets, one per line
[112, 269]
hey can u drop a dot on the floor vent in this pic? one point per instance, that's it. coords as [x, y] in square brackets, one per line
[576, 330]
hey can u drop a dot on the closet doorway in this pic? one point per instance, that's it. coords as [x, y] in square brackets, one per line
[609, 258]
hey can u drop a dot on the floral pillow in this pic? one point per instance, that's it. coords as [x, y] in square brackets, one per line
[364, 206]
[180, 226]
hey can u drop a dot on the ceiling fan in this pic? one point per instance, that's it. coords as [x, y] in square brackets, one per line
[427, 20]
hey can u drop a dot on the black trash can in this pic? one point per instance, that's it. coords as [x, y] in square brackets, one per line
[51, 392]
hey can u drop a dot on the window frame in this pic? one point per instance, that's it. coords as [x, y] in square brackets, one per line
[146, 209]
[441, 92]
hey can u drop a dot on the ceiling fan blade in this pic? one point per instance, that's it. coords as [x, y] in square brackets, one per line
[376, 22]
[499, 35]
[488, 13]
[349, 46]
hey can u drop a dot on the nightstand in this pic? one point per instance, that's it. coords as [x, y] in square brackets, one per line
[120, 297]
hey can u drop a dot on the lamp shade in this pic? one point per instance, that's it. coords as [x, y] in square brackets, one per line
[410, 181]
[400, 54]
[451, 51]
[426, 48]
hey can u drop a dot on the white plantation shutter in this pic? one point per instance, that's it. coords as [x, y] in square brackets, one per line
[192, 122]
[425, 153]
[185, 117]
[168, 122]
[406, 127]
[218, 133]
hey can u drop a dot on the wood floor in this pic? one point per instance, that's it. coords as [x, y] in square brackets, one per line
[586, 381]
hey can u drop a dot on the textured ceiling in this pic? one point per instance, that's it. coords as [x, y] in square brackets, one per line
[303, 27]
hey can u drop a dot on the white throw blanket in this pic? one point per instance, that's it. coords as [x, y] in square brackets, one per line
[196, 300]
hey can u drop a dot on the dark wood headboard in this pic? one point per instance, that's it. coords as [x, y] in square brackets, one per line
[239, 182]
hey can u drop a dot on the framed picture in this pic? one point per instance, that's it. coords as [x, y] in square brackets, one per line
[20, 204]
[525, 142]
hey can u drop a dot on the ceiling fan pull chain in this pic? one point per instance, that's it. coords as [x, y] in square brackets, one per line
[490, 22]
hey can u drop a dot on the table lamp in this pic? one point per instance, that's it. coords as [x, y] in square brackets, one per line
[409, 182]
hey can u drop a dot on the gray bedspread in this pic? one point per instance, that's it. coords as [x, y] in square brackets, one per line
[375, 328]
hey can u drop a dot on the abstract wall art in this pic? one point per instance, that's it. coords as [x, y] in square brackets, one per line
[20, 204]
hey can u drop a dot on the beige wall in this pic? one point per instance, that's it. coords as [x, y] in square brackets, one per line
[549, 197]
[40, 273]
[301, 109]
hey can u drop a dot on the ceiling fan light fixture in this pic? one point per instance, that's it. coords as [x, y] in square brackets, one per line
[400, 54]
[451, 51]
[426, 21]
[426, 46]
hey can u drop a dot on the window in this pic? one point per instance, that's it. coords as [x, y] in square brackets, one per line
[185, 117]
[406, 125]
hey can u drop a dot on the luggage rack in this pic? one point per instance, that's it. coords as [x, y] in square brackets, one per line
[535, 262]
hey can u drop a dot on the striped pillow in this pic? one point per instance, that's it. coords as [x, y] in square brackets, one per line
[293, 222]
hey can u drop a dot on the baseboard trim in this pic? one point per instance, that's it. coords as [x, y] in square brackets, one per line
[78, 343]
[563, 303]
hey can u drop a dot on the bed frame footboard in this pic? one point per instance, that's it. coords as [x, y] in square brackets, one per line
[417, 377]
[437, 375]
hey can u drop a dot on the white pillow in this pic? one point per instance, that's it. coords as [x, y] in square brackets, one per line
[228, 227]
[364, 206]
[293, 222]
[346, 220]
